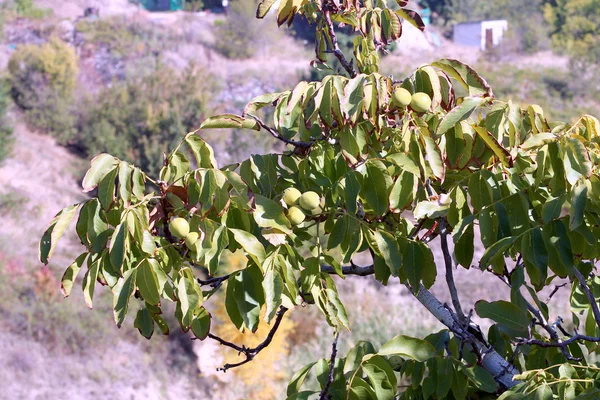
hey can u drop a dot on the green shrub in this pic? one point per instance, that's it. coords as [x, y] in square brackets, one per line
[28, 9]
[236, 36]
[43, 80]
[144, 117]
[5, 128]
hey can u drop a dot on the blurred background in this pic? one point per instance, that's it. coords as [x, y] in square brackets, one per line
[131, 77]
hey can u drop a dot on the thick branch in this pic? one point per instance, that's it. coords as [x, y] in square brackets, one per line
[336, 47]
[250, 353]
[494, 363]
[449, 272]
[588, 294]
[325, 390]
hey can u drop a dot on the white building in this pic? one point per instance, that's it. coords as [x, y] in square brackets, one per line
[483, 34]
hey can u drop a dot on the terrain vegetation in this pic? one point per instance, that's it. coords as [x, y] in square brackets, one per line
[132, 83]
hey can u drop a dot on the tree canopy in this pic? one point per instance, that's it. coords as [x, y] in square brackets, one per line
[367, 169]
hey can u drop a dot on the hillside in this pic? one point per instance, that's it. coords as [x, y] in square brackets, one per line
[56, 348]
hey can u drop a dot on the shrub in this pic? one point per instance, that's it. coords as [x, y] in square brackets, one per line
[235, 37]
[5, 129]
[43, 80]
[144, 117]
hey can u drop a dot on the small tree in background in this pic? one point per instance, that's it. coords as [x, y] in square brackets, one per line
[379, 166]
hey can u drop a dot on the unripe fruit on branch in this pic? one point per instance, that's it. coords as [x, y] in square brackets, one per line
[420, 102]
[191, 239]
[291, 196]
[295, 215]
[179, 227]
[309, 201]
[401, 97]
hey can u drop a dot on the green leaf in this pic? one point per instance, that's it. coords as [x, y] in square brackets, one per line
[190, 297]
[118, 245]
[579, 194]
[245, 297]
[412, 17]
[389, 250]
[560, 253]
[66, 283]
[106, 188]
[497, 249]
[148, 245]
[552, 208]
[144, 323]
[298, 379]
[101, 165]
[434, 157]
[89, 281]
[205, 157]
[229, 121]
[431, 209]
[376, 195]
[269, 214]
[491, 142]
[480, 191]
[459, 113]
[418, 264]
[250, 244]
[481, 378]
[55, 231]
[577, 160]
[465, 75]
[402, 194]
[147, 283]
[408, 347]
[125, 191]
[273, 287]
[464, 248]
[240, 190]
[122, 292]
[201, 324]
[505, 313]
[538, 140]
[381, 376]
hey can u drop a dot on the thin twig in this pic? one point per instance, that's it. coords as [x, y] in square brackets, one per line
[336, 47]
[588, 293]
[325, 390]
[276, 135]
[449, 272]
[562, 344]
[250, 353]
[214, 282]
[556, 288]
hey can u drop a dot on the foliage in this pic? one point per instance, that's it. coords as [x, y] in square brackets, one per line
[372, 177]
[146, 116]
[28, 9]
[5, 128]
[575, 28]
[43, 80]
[235, 37]
[193, 5]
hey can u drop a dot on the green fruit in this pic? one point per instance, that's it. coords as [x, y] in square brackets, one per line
[291, 196]
[401, 97]
[309, 201]
[179, 227]
[191, 239]
[420, 102]
[295, 215]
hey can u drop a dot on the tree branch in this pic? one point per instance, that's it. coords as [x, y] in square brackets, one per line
[502, 370]
[588, 294]
[563, 344]
[250, 353]
[276, 135]
[336, 47]
[214, 281]
[449, 272]
[325, 390]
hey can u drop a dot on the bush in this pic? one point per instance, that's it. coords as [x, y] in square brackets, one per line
[144, 117]
[43, 80]
[235, 37]
[5, 129]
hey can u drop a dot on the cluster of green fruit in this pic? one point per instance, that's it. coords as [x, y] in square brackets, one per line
[299, 204]
[419, 102]
[180, 228]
